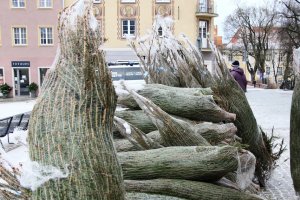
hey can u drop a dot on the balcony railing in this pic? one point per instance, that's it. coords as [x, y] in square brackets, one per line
[206, 10]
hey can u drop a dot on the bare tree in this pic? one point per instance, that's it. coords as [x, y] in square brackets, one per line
[290, 33]
[252, 30]
[291, 20]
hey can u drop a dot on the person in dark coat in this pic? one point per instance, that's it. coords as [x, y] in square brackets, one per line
[238, 75]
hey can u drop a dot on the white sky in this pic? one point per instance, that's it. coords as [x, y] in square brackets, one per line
[226, 7]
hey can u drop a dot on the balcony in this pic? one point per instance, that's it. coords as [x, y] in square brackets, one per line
[206, 12]
[206, 8]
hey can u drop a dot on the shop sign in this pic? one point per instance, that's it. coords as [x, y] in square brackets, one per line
[20, 63]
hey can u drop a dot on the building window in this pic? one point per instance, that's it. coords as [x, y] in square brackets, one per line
[268, 70]
[268, 57]
[160, 31]
[163, 1]
[20, 36]
[279, 70]
[281, 55]
[127, 1]
[1, 76]
[42, 72]
[128, 28]
[245, 56]
[45, 3]
[18, 3]
[230, 57]
[46, 35]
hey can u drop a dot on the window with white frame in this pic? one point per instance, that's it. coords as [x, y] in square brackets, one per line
[46, 36]
[127, 1]
[97, 1]
[279, 70]
[45, 3]
[268, 70]
[281, 56]
[230, 57]
[20, 36]
[163, 1]
[128, 28]
[268, 56]
[18, 3]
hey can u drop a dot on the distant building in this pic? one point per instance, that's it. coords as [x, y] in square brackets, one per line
[275, 58]
[218, 40]
[121, 18]
[28, 32]
[28, 41]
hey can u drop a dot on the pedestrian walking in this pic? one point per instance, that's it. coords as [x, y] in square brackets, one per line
[238, 75]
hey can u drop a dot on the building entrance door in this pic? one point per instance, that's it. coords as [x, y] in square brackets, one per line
[21, 79]
[203, 33]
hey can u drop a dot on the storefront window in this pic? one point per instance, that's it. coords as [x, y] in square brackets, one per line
[42, 72]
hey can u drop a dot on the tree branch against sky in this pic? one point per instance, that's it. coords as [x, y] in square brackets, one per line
[252, 31]
[290, 14]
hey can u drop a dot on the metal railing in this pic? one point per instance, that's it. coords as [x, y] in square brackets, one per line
[202, 9]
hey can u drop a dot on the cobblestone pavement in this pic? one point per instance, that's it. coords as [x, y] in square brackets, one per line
[272, 108]
[280, 185]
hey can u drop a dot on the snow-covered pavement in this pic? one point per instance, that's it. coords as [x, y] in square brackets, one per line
[8, 109]
[272, 109]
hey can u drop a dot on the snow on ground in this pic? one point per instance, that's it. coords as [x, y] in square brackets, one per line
[271, 107]
[8, 109]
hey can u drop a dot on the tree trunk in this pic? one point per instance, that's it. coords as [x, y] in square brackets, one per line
[187, 189]
[201, 108]
[138, 119]
[295, 127]
[189, 163]
[70, 126]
